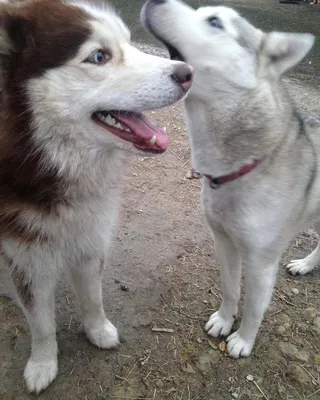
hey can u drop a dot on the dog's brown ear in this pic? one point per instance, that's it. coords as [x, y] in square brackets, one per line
[283, 51]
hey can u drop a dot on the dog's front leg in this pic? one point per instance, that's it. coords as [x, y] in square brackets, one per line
[220, 323]
[86, 282]
[36, 297]
[259, 284]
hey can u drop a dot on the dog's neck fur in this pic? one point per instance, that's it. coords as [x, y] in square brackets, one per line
[223, 136]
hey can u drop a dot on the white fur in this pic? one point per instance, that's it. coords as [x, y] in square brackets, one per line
[62, 102]
[237, 112]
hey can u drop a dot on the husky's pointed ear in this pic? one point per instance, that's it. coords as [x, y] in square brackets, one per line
[285, 50]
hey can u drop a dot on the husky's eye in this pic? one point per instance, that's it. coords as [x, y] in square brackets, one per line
[215, 22]
[99, 57]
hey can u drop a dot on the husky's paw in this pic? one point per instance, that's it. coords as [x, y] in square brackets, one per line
[39, 375]
[300, 267]
[218, 326]
[104, 335]
[238, 347]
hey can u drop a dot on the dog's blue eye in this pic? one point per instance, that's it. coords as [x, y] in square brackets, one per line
[99, 57]
[215, 22]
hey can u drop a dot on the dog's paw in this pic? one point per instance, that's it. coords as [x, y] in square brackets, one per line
[39, 375]
[103, 335]
[219, 326]
[238, 347]
[300, 267]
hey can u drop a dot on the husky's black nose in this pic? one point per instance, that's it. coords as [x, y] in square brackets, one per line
[183, 74]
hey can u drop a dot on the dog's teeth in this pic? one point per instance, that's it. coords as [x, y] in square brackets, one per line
[164, 128]
[110, 120]
[127, 130]
[119, 126]
[153, 140]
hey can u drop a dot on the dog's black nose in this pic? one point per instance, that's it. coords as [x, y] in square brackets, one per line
[183, 74]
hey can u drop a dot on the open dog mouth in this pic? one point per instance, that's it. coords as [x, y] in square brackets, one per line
[135, 128]
[174, 53]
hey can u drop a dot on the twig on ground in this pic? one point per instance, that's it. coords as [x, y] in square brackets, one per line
[166, 330]
[181, 312]
[260, 390]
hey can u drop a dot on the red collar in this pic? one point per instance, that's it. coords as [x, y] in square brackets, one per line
[215, 183]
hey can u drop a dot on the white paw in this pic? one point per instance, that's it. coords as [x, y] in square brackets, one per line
[104, 335]
[300, 267]
[217, 325]
[39, 375]
[238, 347]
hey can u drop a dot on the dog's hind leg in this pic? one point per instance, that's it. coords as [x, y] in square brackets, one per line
[221, 322]
[307, 264]
[36, 297]
[86, 282]
[259, 284]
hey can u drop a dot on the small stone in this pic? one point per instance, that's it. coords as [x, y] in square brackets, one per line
[124, 288]
[199, 340]
[189, 174]
[250, 378]
[311, 313]
[159, 383]
[282, 330]
[298, 375]
[301, 328]
[205, 301]
[116, 281]
[189, 369]
[316, 322]
[235, 395]
[295, 291]
[317, 359]
[284, 319]
[293, 353]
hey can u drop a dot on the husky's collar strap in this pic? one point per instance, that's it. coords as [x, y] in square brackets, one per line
[215, 183]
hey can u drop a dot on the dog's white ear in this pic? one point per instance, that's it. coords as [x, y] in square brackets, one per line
[285, 50]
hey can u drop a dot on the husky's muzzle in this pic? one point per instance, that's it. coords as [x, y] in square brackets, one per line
[146, 19]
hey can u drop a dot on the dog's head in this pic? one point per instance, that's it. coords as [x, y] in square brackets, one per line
[227, 52]
[68, 68]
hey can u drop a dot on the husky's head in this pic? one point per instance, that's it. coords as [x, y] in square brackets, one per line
[227, 52]
[68, 69]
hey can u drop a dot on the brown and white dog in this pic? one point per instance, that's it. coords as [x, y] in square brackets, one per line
[73, 90]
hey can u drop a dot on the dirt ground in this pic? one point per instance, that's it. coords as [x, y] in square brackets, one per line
[162, 273]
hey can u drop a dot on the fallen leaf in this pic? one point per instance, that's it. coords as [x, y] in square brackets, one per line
[223, 347]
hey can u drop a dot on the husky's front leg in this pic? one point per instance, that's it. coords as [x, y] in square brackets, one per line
[259, 284]
[36, 297]
[86, 282]
[220, 323]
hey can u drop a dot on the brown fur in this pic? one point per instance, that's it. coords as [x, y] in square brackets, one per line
[34, 46]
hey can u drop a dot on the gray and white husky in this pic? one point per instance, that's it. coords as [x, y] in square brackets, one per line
[259, 156]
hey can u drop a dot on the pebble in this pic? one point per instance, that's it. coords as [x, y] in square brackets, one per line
[124, 288]
[298, 375]
[295, 291]
[235, 395]
[311, 313]
[250, 378]
[316, 322]
[159, 383]
[317, 359]
[293, 353]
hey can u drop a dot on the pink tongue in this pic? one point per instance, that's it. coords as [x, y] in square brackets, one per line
[143, 127]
